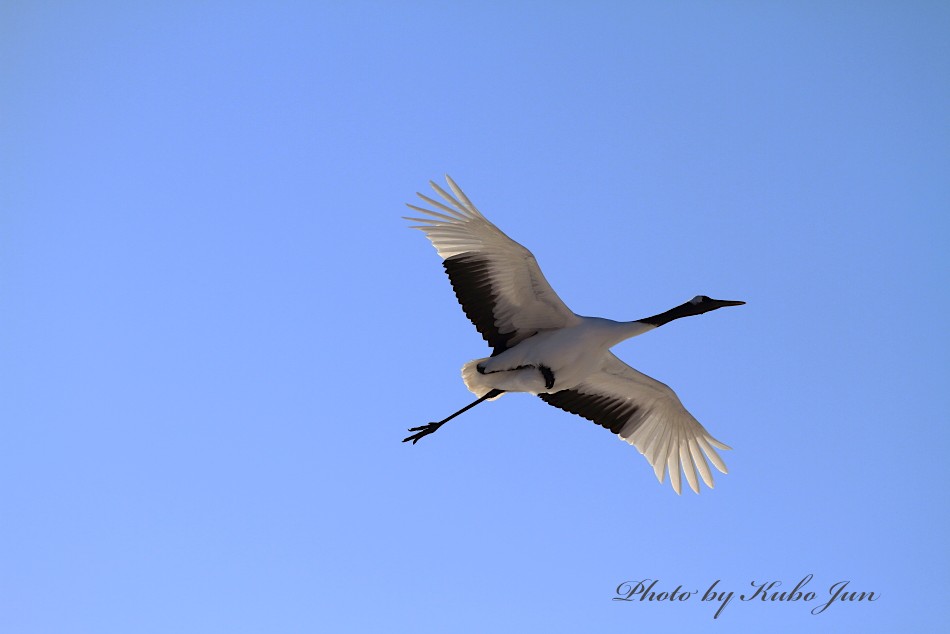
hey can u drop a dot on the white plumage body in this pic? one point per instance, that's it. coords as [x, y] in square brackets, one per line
[572, 353]
[542, 347]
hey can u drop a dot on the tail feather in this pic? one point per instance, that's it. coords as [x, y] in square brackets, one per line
[477, 383]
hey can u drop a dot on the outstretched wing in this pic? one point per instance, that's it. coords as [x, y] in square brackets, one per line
[648, 415]
[497, 281]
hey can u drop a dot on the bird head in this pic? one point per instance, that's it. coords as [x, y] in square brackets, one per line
[703, 304]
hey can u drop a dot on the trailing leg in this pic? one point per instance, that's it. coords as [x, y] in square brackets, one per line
[425, 430]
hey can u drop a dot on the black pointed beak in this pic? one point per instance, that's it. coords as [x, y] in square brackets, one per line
[728, 302]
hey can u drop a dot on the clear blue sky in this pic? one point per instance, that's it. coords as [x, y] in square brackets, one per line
[215, 327]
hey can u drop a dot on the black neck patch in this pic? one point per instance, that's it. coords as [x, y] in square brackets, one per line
[683, 310]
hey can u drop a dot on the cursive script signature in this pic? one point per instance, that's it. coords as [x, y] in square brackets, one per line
[649, 590]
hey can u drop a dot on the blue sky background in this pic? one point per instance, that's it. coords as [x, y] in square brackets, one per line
[215, 327]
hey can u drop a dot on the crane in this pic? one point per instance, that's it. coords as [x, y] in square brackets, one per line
[542, 347]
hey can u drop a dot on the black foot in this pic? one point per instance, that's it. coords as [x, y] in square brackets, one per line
[424, 430]
[548, 376]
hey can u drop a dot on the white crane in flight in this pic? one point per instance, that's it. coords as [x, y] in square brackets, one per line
[541, 347]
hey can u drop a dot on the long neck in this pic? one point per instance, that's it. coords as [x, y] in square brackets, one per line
[608, 333]
[683, 310]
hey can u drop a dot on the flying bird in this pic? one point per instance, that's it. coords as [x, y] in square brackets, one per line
[540, 346]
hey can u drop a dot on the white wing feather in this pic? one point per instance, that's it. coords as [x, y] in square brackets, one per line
[654, 421]
[497, 281]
